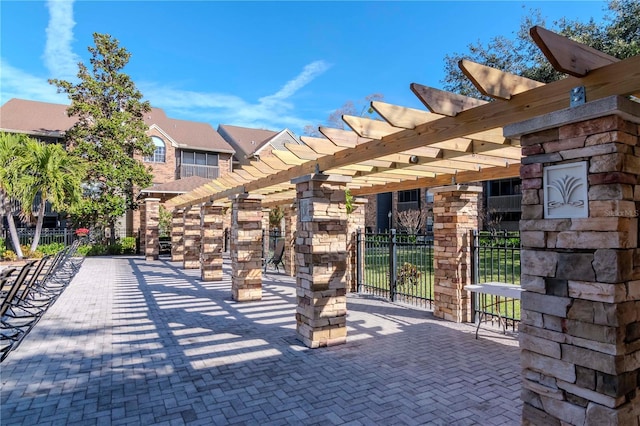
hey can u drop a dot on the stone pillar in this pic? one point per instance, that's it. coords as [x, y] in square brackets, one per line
[355, 221]
[289, 235]
[266, 241]
[143, 226]
[246, 247]
[455, 214]
[151, 230]
[321, 254]
[191, 258]
[211, 234]
[580, 329]
[177, 235]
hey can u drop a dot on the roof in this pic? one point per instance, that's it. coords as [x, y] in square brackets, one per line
[243, 139]
[47, 119]
[179, 186]
[35, 118]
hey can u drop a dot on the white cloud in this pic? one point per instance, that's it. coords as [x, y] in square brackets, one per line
[274, 111]
[15, 83]
[58, 55]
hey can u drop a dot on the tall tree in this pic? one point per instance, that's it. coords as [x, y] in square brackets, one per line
[9, 144]
[110, 133]
[619, 36]
[46, 173]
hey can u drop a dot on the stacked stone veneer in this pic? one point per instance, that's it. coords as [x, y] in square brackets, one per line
[355, 222]
[455, 214]
[211, 234]
[321, 243]
[177, 235]
[290, 224]
[246, 248]
[192, 237]
[151, 230]
[580, 330]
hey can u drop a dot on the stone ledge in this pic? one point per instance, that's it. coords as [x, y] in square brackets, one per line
[612, 105]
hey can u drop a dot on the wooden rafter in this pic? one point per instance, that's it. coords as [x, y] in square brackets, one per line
[495, 83]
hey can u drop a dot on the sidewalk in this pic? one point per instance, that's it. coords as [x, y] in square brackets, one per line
[137, 342]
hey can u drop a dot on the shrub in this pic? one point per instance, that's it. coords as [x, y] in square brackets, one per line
[9, 255]
[83, 250]
[114, 248]
[51, 249]
[128, 245]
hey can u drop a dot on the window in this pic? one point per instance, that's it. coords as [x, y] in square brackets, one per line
[159, 155]
[410, 196]
[199, 158]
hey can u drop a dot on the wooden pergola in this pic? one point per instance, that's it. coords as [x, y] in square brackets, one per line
[458, 140]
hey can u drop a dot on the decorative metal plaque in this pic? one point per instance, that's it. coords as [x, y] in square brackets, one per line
[304, 210]
[565, 191]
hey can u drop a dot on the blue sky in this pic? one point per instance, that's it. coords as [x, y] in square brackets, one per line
[257, 64]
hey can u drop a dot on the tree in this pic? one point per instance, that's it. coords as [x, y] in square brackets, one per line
[109, 134]
[348, 108]
[47, 171]
[619, 37]
[413, 220]
[9, 144]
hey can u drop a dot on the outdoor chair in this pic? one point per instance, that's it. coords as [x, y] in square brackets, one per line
[278, 254]
[11, 333]
[4, 277]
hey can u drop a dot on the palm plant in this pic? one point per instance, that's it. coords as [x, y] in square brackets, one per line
[48, 171]
[9, 144]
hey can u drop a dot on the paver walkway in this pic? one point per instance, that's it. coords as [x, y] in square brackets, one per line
[137, 342]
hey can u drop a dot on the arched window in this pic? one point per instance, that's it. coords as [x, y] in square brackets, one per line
[159, 154]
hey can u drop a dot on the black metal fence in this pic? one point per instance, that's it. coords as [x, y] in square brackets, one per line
[48, 236]
[398, 267]
[496, 258]
[270, 240]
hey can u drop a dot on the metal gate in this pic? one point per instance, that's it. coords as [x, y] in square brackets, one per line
[398, 267]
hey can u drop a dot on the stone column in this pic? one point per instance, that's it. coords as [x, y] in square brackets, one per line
[455, 214]
[321, 254]
[191, 258]
[266, 241]
[580, 330]
[151, 230]
[211, 234]
[355, 221]
[142, 229]
[289, 235]
[246, 247]
[177, 235]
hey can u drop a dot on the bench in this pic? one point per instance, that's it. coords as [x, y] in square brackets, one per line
[502, 290]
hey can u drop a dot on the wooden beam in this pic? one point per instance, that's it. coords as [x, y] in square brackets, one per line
[442, 180]
[495, 83]
[568, 56]
[406, 118]
[368, 128]
[444, 103]
[343, 138]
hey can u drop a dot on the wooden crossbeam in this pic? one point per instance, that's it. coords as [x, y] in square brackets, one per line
[444, 103]
[568, 56]
[495, 83]
[442, 179]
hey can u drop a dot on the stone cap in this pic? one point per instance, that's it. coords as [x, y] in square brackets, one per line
[360, 200]
[456, 188]
[612, 105]
[321, 177]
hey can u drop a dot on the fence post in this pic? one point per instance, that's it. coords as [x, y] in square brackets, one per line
[393, 270]
[264, 259]
[359, 253]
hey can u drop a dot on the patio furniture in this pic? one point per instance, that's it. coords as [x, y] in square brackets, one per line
[278, 254]
[502, 291]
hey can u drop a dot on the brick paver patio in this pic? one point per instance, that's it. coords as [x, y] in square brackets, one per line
[137, 342]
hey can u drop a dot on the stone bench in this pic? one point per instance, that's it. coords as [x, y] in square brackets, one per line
[502, 290]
